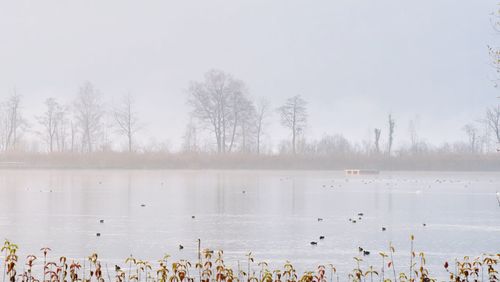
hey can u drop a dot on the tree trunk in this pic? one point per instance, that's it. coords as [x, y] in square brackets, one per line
[258, 138]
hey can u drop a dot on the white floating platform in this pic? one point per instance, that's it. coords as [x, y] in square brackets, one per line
[361, 171]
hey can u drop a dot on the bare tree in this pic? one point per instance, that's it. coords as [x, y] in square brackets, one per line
[219, 102]
[13, 121]
[73, 132]
[294, 117]
[190, 138]
[377, 131]
[63, 124]
[248, 120]
[262, 114]
[127, 120]
[242, 113]
[392, 124]
[412, 130]
[51, 121]
[492, 120]
[88, 114]
[472, 135]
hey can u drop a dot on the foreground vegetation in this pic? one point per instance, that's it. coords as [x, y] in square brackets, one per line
[211, 266]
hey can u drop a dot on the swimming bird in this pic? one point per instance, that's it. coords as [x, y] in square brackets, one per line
[321, 237]
[101, 221]
[383, 229]
[366, 253]
[181, 247]
[98, 234]
[320, 219]
[314, 243]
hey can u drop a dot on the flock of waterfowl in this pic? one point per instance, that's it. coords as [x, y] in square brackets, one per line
[353, 220]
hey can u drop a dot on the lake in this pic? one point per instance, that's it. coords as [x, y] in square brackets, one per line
[274, 214]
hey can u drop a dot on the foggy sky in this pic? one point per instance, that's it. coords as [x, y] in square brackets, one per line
[355, 61]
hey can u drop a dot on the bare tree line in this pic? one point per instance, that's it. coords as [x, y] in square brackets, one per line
[224, 119]
[78, 127]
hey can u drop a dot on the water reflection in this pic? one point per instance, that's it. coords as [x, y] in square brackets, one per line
[272, 213]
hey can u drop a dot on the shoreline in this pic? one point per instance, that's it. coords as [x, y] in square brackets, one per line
[490, 163]
[178, 161]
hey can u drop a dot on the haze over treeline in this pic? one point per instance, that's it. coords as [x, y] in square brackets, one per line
[367, 80]
[225, 118]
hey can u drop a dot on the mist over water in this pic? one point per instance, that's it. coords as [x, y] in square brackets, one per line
[136, 129]
[274, 214]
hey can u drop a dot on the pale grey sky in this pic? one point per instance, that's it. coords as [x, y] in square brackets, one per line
[353, 60]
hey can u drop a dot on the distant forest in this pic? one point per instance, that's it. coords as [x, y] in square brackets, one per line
[225, 130]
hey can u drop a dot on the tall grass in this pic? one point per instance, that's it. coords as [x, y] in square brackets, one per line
[211, 267]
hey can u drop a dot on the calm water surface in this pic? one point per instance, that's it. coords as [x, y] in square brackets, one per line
[274, 214]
